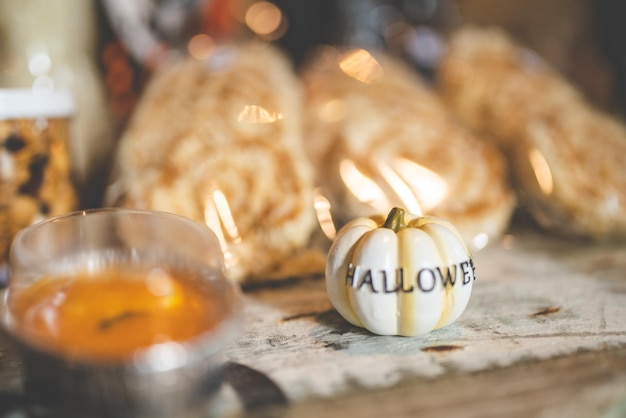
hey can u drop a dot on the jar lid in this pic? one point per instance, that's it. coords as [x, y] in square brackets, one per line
[27, 103]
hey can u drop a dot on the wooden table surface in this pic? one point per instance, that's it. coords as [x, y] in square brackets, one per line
[544, 335]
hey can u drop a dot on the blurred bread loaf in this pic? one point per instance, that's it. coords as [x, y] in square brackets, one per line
[379, 137]
[567, 158]
[219, 141]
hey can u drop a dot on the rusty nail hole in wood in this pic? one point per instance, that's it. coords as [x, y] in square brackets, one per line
[442, 348]
[547, 311]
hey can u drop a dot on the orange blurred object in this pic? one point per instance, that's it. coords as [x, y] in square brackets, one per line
[109, 314]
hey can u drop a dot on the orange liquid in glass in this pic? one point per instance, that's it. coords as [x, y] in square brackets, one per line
[110, 314]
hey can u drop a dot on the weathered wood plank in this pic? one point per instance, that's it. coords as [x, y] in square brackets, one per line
[582, 385]
[544, 335]
[536, 298]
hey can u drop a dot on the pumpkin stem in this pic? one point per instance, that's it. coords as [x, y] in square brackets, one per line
[395, 220]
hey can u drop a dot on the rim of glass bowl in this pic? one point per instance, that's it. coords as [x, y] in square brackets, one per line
[158, 357]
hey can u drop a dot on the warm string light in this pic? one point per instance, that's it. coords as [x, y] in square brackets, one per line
[266, 20]
[200, 46]
[263, 18]
[365, 189]
[218, 217]
[542, 171]
[362, 66]
[257, 115]
[412, 185]
[324, 214]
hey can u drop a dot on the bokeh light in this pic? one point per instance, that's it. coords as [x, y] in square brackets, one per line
[200, 46]
[266, 20]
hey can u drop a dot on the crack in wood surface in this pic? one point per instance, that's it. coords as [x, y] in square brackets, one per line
[547, 311]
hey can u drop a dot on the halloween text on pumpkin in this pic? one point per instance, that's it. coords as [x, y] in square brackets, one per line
[425, 280]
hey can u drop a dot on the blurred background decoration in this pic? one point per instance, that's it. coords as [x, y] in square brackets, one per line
[52, 46]
[584, 39]
[105, 51]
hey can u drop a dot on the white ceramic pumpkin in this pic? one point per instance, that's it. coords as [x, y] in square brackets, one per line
[403, 275]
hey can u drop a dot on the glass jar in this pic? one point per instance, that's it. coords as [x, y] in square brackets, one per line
[35, 180]
[155, 315]
[52, 46]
